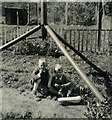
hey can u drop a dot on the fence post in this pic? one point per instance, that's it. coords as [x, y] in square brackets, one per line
[70, 37]
[5, 31]
[96, 41]
[78, 40]
[82, 40]
[104, 41]
[87, 41]
[66, 13]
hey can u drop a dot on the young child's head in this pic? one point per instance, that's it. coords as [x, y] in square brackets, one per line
[42, 63]
[58, 70]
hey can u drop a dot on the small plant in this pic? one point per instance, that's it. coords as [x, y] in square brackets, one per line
[25, 48]
[11, 115]
[99, 110]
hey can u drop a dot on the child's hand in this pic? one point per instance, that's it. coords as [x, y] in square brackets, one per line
[39, 75]
[59, 93]
[62, 85]
[56, 85]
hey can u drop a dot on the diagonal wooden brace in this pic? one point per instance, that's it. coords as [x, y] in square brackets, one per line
[20, 38]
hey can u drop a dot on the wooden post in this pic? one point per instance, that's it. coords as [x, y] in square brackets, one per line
[87, 40]
[96, 41]
[78, 40]
[17, 23]
[66, 14]
[100, 24]
[82, 41]
[44, 18]
[70, 37]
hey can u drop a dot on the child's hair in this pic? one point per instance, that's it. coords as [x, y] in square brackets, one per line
[42, 61]
[58, 67]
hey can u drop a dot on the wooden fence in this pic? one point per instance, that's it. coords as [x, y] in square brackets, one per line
[81, 39]
[87, 39]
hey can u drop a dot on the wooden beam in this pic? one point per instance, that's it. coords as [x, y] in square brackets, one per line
[22, 37]
[100, 24]
[44, 18]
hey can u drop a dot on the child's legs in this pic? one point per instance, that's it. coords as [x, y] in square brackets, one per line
[35, 86]
[45, 90]
[53, 92]
[68, 89]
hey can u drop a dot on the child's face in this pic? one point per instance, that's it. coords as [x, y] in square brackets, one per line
[58, 72]
[42, 66]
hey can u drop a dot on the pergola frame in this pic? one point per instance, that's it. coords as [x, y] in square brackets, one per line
[45, 28]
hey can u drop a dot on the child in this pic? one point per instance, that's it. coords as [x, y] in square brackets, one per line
[40, 78]
[59, 85]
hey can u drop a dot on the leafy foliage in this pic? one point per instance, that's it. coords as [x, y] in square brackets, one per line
[96, 110]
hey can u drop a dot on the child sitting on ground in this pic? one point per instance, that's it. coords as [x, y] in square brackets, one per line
[40, 78]
[59, 85]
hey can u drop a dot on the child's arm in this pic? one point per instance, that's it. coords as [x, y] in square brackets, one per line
[35, 75]
[66, 81]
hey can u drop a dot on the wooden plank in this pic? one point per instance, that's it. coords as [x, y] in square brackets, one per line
[96, 41]
[78, 40]
[91, 44]
[5, 32]
[70, 37]
[104, 42]
[108, 41]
